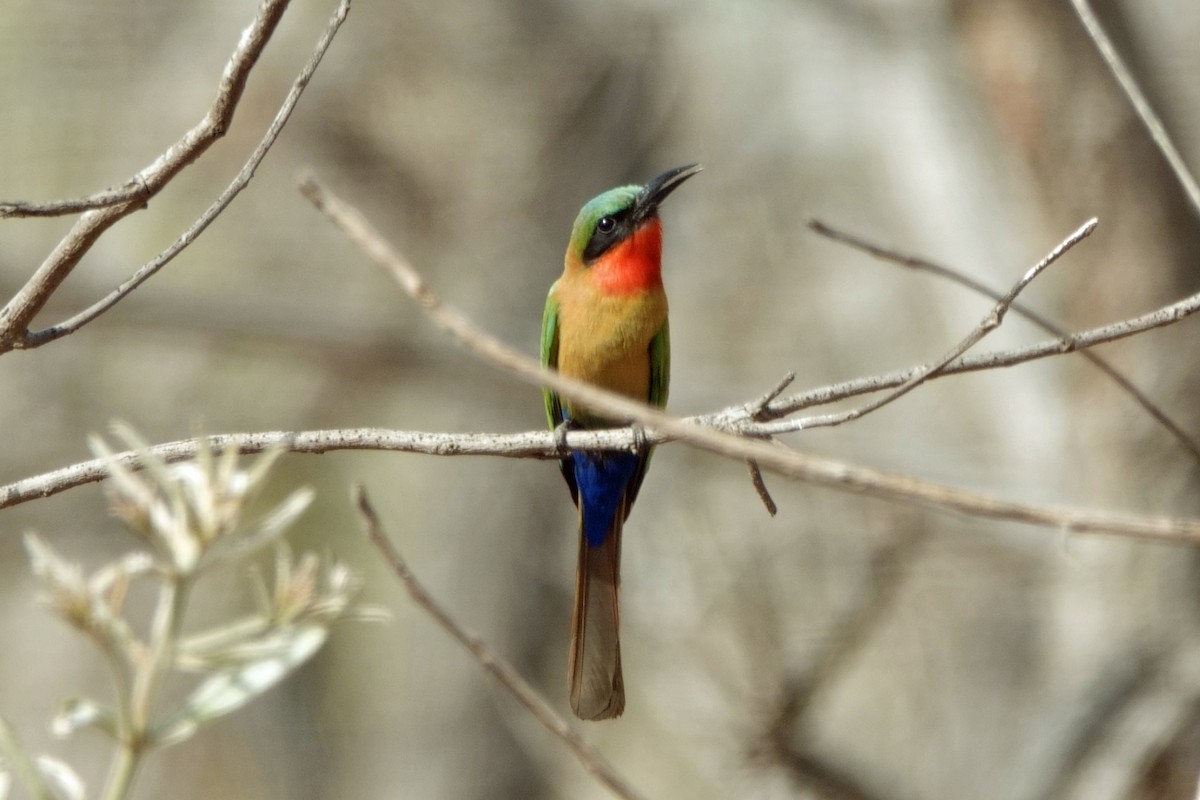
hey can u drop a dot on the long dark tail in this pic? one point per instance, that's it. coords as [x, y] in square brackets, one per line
[597, 688]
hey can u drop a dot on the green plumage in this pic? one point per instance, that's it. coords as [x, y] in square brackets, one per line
[607, 204]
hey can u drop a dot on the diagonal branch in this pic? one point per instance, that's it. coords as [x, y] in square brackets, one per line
[723, 432]
[740, 420]
[791, 463]
[1138, 100]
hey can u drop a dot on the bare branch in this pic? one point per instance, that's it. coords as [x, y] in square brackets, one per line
[499, 669]
[16, 316]
[1138, 100]
[539, 444]
[69, 326]
[921, 264]
[791, 463]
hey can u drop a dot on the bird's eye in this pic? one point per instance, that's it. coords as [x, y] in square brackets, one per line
[606, 225]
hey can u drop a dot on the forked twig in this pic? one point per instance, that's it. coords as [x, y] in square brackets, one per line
[1103, 334]
[757, 410]
[989, 323]
[962, 279]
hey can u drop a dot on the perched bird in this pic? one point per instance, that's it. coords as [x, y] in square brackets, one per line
[606, 323]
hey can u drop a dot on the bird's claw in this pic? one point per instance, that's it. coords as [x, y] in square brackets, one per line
[641, 442]
[560, 438]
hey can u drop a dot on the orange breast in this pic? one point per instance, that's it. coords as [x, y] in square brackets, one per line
[604, 339]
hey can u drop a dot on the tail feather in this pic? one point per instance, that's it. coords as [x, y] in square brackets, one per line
[597, 687]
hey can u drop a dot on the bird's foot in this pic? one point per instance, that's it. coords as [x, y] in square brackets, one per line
[560, 437]
[641, 442]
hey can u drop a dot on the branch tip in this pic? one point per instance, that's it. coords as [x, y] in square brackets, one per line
[757, 409]
[760, 486]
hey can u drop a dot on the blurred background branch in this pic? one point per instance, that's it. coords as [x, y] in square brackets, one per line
[1139, 102]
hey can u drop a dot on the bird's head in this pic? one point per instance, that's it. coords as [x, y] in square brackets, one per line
[618, 234]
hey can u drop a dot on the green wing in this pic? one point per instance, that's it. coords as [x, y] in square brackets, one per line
[554, 414]
[554, 411]
[660, 366]
[660, 379]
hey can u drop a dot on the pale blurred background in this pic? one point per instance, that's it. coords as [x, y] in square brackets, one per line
[845, 649]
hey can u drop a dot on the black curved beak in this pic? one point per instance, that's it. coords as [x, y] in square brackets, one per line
[654, 192]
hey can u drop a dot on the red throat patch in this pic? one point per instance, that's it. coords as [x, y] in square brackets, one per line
[634, 265]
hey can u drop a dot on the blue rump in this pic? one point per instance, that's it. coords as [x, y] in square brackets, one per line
[602, 479]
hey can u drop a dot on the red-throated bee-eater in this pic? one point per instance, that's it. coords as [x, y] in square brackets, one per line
[606, 323]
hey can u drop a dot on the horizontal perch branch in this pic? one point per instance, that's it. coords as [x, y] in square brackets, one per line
[541, 445]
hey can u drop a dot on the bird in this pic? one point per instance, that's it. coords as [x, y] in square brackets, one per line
[605, 323]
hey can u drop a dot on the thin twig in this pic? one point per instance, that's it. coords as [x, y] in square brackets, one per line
[16, 316]
[1159, 318]
[791, 463]
[989, 323]
[962, 279]
[133, 189]
[69, 326]
[501, 670]
[1138, 100]
[760, 486]
[755, 411]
